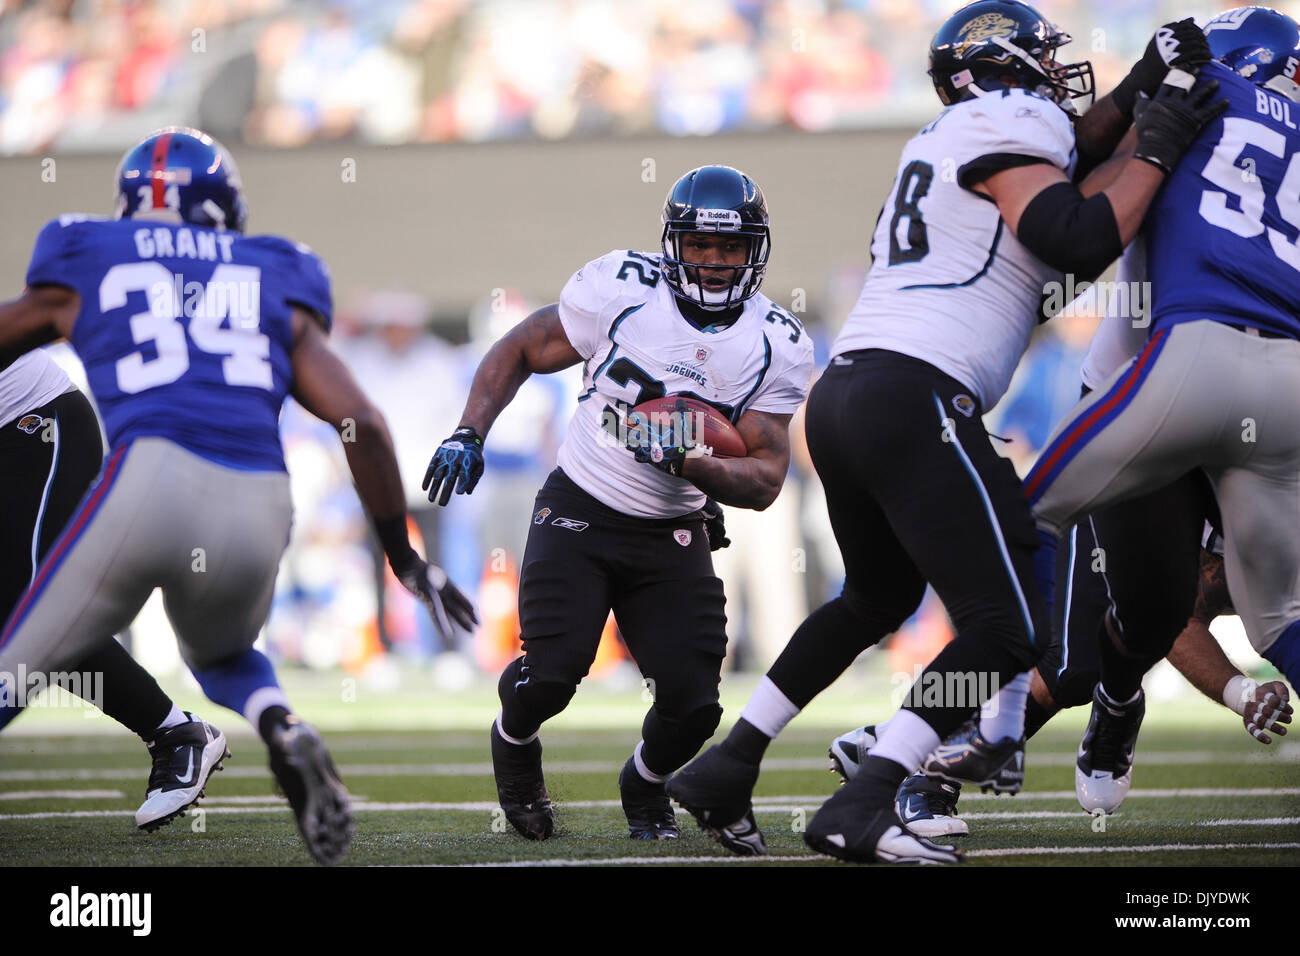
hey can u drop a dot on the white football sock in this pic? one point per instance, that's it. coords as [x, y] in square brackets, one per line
[511, 740]
[1003, 714]
[908, 741]
[174, 719]
[646, 773]
[262, 698]
[769, 710]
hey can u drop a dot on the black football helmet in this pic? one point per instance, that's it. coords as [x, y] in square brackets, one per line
[715, 199]
[983, 42]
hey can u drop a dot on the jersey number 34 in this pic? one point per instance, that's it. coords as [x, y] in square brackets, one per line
[233, 292]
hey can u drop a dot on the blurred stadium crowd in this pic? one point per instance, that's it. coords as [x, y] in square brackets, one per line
[91, 74]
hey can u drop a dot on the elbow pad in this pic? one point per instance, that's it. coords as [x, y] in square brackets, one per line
[1071, 233]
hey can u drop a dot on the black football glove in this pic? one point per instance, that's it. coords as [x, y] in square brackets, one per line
[445, 602]
[1175, 46]
[1169, 123]
[662, 444]
[457, 464]
[715, 525]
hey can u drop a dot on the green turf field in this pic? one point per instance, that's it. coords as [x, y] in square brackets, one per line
[415, 758]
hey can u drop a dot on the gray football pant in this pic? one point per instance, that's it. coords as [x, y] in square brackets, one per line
[1201, 394]
[158, 516]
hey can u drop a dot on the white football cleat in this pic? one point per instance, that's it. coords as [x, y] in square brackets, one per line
[1104, 769]
[184, 757]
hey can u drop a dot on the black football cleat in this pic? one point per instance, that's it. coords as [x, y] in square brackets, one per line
[521, 789]
[717, 789]
[966, 757]
[648, 810]
[1104, 769]
[849, 827]
[928, 807]
[847, 751]
[184, 757]
[306, 775]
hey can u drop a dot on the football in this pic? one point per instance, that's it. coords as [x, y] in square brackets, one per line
[704, 424]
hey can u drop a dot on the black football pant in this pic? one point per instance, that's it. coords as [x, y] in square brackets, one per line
[584, 559]
[48, 458]
[916, 493]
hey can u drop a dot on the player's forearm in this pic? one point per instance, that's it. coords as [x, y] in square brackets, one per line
[373, 463]
[495, 384]
[1198, 657]
[1097, 134]
[741, 482]
[1131, 194]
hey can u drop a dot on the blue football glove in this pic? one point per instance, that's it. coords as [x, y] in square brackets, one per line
[662, 444]
[456, 465]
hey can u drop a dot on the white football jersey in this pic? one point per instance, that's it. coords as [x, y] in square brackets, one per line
[29, 382]
[1117, 339]
[622, 318]
[949, 283]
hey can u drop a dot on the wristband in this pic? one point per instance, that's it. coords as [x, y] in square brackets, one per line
[394, 539]
[1238, 693]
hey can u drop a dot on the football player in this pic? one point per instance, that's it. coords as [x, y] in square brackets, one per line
[193, 335]
[983, 213]
[50, 451]
[623, 525]
[1224, 272]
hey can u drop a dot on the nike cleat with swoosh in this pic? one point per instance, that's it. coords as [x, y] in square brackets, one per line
[184, 757]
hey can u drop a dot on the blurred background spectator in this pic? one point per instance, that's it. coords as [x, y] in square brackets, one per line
[74, 73]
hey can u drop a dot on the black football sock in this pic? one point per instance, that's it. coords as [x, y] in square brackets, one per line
[878, 780]
[746, 742]
[272, 719]
[1035, 716]
[822, 648]
[1121, 675]
[128, 692]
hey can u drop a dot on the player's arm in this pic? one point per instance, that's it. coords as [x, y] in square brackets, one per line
[40, 315]
[536, 345]
[755, 480]
[1199, 658]
[1082, 234]
[324, 386]
[1179, 45]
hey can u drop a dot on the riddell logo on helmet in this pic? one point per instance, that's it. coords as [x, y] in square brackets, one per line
[718, 218]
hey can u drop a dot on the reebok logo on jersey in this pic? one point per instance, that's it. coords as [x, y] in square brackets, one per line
[540, 517]
[570, 523]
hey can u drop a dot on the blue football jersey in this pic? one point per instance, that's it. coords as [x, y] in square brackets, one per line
[1222, 233]
[185, 331]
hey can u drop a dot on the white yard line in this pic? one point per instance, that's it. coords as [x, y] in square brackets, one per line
[63, 795]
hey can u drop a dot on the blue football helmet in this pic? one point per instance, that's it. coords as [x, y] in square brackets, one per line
[178, 174]
[1260, 44]
[715, 199]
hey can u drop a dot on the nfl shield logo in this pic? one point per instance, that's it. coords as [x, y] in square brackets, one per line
[702, 354]
[682, 537]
